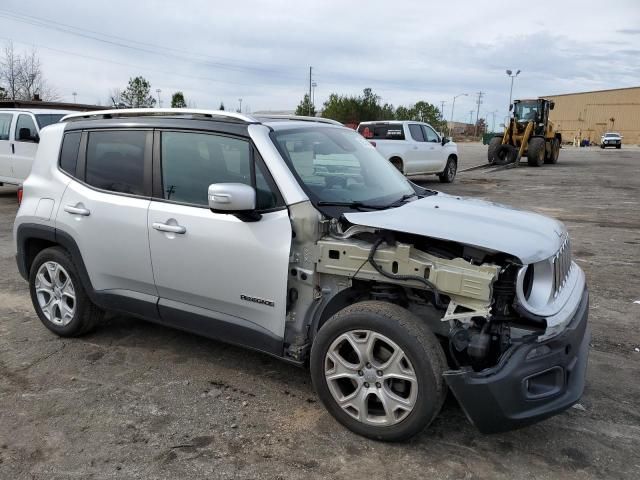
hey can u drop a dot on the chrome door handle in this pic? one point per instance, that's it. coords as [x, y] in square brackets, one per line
[163, 227]
[76, 210]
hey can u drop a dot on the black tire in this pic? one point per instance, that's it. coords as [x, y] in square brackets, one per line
[450, 170]
[618, 147]
[494, 143]
[397, 162]
[535, 152]
[602, 147]
[505, 154]
[86, 315]
[420, 347]
[554, 153]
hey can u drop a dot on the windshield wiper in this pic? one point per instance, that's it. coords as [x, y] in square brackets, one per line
[401, 200]
[361, 205]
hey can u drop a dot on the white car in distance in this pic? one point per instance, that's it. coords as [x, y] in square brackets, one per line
[414, 148]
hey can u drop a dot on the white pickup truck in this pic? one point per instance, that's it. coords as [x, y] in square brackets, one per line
[414, 148]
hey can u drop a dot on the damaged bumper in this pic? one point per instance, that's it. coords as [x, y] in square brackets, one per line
[533, 381]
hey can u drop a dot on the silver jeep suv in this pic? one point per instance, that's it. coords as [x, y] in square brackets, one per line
[293, 236]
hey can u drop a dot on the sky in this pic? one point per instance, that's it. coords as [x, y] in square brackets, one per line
[260, 52]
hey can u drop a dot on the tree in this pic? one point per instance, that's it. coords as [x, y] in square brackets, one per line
[353, 110]
[178, 101]
[421, 111]
[305, 107]
[22, 77]
[221, 107]
[138, 94]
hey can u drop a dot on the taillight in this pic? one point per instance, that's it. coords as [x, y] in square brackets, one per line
[372, 143]
[19, 195]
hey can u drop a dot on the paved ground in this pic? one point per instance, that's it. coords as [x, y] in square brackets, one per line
[135, 400]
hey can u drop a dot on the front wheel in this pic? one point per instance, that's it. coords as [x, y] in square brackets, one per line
[449, 172]
[379, 370]
[535, 152]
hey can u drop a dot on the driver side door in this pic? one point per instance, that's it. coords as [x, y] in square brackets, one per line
[435, 155]
[216, 274]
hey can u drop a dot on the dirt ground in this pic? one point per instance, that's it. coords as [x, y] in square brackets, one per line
[136, 400]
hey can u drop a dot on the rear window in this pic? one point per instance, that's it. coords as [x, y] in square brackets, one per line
[382, 132]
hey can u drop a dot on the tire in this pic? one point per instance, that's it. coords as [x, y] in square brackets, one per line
[535, 152]
[505, 154]
[494, 143]
[397, 162]
[602, 147]
[450, 170]
[418, 356]
[618, 147]
[552, 158]
[53, 278]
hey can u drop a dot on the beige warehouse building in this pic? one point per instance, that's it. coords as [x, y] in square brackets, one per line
[590, 114]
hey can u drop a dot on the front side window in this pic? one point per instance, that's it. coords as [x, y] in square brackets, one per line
[115, 161]
[25, 129]
[416, 132]
[339, 165]
[193, 161]
[5, 125]
[430, 134]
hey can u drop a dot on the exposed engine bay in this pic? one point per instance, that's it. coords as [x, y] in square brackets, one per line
[465, 293]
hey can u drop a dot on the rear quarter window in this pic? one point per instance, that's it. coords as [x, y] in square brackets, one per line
[69, 152]
[382, 132]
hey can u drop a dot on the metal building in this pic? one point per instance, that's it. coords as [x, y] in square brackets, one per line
[587, 115]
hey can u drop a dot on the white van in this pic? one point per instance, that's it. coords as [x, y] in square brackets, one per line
[19, 137]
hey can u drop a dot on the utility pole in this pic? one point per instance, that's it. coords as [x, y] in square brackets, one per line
[240, 109]
[75, 94]
[159, 101]
[310, 82]
[442, 102]
[313, 93]
[479, 102]
[470, 117]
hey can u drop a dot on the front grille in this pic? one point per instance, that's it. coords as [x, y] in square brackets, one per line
[561, 266]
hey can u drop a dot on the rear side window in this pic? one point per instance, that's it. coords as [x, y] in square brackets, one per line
[5, 125]
[69, 152]
[416, 132]
[382, 132]
[115, 161]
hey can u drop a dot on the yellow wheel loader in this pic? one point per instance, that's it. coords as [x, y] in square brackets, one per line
[529, 134]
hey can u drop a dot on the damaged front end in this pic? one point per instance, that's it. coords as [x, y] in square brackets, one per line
[512, 364]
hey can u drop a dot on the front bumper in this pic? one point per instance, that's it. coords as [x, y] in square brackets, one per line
[520, 391]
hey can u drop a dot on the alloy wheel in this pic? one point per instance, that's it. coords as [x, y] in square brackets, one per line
[56, 293]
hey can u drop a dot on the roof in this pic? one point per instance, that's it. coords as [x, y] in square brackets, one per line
[592, 91]
[200, 114]
[45, 111]
[30, 105]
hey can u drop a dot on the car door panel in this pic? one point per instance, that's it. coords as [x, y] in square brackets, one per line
[6, 172]
[435, 160]
[222, 265]
[24, 150]
[416, 150]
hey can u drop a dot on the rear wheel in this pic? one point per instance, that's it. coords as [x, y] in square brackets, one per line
[378, 370]
[535, 152]
[397, 162]
[618, 147]
[449, 172]
[494, 143]
[58, 296]
[554, 152]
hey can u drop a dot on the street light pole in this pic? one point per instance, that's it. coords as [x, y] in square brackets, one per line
[240, 109]
[512, 76]
[159, 101]
[453, 105]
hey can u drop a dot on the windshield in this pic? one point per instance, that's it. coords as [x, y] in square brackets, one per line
[339, 165]
[526, 111]
[611, 134]
[45, 119]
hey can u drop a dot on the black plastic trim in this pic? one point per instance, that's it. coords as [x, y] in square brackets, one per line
[497, 399]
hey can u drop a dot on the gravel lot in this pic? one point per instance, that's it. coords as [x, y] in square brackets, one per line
[136, 400]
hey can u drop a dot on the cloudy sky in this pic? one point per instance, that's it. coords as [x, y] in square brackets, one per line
[261, 51]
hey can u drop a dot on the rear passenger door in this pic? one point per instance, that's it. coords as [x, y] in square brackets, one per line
[216, 274]
[25, 147]
[104, 209]
[5, 145]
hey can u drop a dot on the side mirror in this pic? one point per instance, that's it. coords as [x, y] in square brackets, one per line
[444, 141]
[24, 135]
[552, 105]
[511, 107]
[234, 198]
